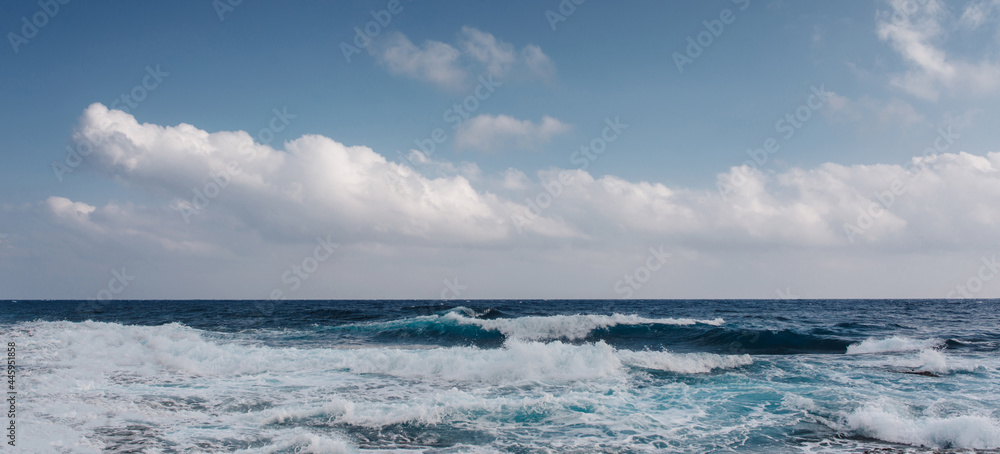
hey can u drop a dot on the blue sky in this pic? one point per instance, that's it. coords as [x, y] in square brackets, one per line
[892, 75]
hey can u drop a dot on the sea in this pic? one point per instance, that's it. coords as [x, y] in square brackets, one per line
[502, 376]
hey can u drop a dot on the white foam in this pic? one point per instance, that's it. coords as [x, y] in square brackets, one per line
[300, 441]
[105, 374]
[94, 352]
[336, 407]
[891, 344]
[933, 361]
[798, 402]
[517, 361]
[379, 414]
[193, 388]
[686, 363]
[521, 361]
[898, 426]
[922, 355]
[570, 327]
[143, 350]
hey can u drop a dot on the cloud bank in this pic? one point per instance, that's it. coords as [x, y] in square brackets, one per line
[221, 196]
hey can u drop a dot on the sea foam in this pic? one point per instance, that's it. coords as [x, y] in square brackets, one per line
[892, 344]
[95, 350]
[569, 327]
[898, 426]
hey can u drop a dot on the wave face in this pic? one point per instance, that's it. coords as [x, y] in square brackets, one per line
[891, 345]
[503, 376]
[918, 429]
[464, 326]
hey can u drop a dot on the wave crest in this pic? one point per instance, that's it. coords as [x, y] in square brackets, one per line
[887, 424]
[685, 363]
[892, 344]
[569, 327]
[464, 323]
[104, 349]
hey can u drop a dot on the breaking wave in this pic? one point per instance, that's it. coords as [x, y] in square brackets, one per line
[892, 344]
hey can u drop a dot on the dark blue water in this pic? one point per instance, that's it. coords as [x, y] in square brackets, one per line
[507, 376]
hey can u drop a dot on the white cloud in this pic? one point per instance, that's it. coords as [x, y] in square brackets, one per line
[400, 228]
[317, 184]
[489, 133]
[433, 61]
[128, 224]
[515, 180]
[914, 29]
[440, 168]
[66, 209]
[538, 64]
[874, 114]
[977, 13]
[314, 182]
[453, 67]
[497, 56]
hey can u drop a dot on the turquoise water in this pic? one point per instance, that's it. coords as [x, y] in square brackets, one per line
[506, 376]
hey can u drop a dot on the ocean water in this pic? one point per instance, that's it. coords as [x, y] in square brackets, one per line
[505, 376]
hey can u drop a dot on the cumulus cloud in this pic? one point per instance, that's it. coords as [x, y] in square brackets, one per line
[915, 30]
[514, 179]
[317, 184]
[872, 114]
[495, 55]
[66, 210]
[489, 133]
[313, 182]
[454, 66]
[433, 61]
[558, 223]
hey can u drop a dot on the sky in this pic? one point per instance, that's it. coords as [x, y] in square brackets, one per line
[235, 149]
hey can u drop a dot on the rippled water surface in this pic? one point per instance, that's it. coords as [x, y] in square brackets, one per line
[506, 376]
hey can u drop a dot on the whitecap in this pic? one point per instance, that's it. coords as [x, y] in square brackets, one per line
[569, 327]
[686, 363]
[891, 344]
[899, 426]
